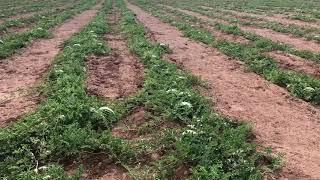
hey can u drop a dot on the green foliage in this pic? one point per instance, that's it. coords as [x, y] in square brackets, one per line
[300, 85]
[67, 123]
[12, 42]
[208, 142]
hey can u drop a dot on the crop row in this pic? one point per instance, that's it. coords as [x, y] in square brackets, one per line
[301, 10]
[213, 146]
[67, 122]
[9, 44]
[295, 30]
[28, 21]
[29, 7]
[300, 85]
[261, 42]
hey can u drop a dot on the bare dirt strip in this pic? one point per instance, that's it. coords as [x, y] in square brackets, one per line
[22, 71]
[117, 74]
[287, 124]
[298, 43]
[295, 63]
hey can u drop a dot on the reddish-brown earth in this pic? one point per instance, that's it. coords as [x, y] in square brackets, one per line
[287, 124]
[117, 74]
[24, 70]
[288, 61]
[128, 127]
[298, 43]
[98, 166]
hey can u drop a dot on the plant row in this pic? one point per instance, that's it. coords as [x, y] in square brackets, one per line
[262, 43]
[67, 125]
[9, 44]
[26, 21]
[299, 85]
[210, 145]
[28, 7]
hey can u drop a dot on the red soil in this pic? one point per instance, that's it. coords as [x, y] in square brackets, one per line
[24, 70]
[117, 74]
[285, 123]
[98, 166]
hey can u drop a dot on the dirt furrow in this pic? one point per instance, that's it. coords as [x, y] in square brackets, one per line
[24, 70]
[118, 74]
[289, 125]
[295, 63]
[297, 43]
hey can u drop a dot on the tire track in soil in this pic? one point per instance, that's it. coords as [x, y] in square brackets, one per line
[298, 43]
[287, 124]
[22, 71]
[117, 74]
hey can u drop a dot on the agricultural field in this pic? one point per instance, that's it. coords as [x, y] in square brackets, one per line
[159, 89]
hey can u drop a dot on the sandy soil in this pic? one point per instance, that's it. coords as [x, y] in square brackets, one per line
[289, 125]
[24, 70]
[298, 43]
[117, 74]
[295, 63]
